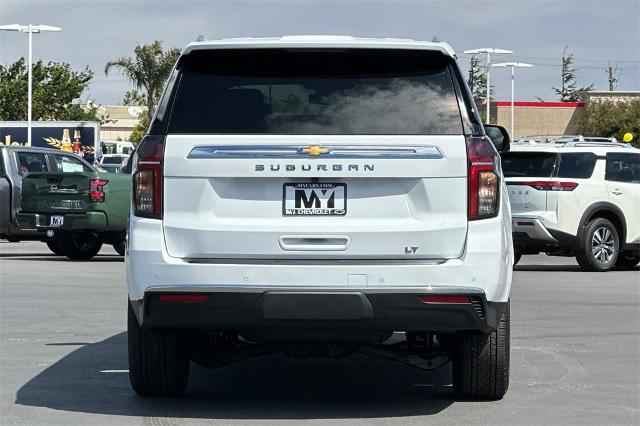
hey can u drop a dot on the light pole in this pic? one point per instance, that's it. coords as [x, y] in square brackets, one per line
[30, 29]
[488, 51]
[513, 66]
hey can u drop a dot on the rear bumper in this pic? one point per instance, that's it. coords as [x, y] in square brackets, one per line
[96, 221]
[532, 228]
[284, 314]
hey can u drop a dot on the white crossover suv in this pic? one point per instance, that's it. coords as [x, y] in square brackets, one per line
[577, 199]
[315, 195]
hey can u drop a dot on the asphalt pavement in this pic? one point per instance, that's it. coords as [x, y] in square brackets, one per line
[63, 358]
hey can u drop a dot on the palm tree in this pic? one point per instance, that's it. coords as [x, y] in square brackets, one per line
[147, 70]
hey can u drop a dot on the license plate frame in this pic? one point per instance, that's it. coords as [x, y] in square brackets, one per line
[322, 203]
[56, 221]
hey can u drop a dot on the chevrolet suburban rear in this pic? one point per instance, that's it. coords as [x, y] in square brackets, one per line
[317, 195]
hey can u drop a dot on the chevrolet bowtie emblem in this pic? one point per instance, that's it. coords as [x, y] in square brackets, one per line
[315, 150]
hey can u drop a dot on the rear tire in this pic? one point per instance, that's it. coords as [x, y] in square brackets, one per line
[158, 360]
[627, 260]
[119, 247]
[601, 246]
[481, 362]
[54, 247]
[82, 245]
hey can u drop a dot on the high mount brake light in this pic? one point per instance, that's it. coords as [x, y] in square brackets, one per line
[147, 178]
[483, 179]
[96, 190]
[551, 185]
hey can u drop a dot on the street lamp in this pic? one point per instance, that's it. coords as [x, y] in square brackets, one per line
[30, 29]
[488, 51]
[513, 66]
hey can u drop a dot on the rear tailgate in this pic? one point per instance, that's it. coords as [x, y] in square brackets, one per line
[225, 197]
[56, 192]
[524, 172]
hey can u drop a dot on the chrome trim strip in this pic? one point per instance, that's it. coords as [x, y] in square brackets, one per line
[231, 288]
[313, 262]
[335, 151]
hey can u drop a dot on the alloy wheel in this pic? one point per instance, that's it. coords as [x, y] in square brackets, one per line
[603, 245]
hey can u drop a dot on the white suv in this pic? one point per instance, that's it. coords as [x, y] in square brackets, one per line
[317, 194]
[577, 199]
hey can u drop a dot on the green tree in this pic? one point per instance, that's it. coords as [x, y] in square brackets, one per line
[133, 97]
[147, 70]
[55, 86]
[569, 90]
[611, 118]
[612, 76]
[140, 130]
[477, 80]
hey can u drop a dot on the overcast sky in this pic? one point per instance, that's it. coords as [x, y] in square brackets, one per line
[597, 32]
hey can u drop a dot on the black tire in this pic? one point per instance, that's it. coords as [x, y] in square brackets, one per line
[54, 247]
[158, 360]
[82, 245]
[627, 260]
[481, 362]
[516, 257]
[119, 247]
[601, 246]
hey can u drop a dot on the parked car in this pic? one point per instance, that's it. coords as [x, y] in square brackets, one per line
[77, 207]
[113, 162]
[317, 194]
[577, 199]
[16, 161]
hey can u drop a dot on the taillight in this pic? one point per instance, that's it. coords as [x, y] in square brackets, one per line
[147, 177]
[96, 190]
[550, 186]
[483, 178]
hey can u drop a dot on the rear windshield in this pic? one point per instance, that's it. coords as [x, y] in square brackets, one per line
[112, 160]
[353, 91]
[528, 164]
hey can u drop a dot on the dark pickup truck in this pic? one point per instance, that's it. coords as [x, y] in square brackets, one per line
[77, 208]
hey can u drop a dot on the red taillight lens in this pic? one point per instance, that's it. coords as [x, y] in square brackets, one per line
[96, 190]
[550, 185]
[181, 297]
[147, 177]
[483, 178]
[444, 299]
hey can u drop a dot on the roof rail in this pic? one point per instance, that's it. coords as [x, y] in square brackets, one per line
[590, 144]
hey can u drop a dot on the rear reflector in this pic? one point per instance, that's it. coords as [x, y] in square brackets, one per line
[445, 299]
[183, 297]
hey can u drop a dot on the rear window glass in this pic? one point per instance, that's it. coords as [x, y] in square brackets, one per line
[112, 160]
[528, 164]
[297, 91]
[623, 167]
[577, 165]
[68, 164]
[31, 162]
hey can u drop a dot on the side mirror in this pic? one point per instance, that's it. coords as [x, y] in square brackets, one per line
[499, 136]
